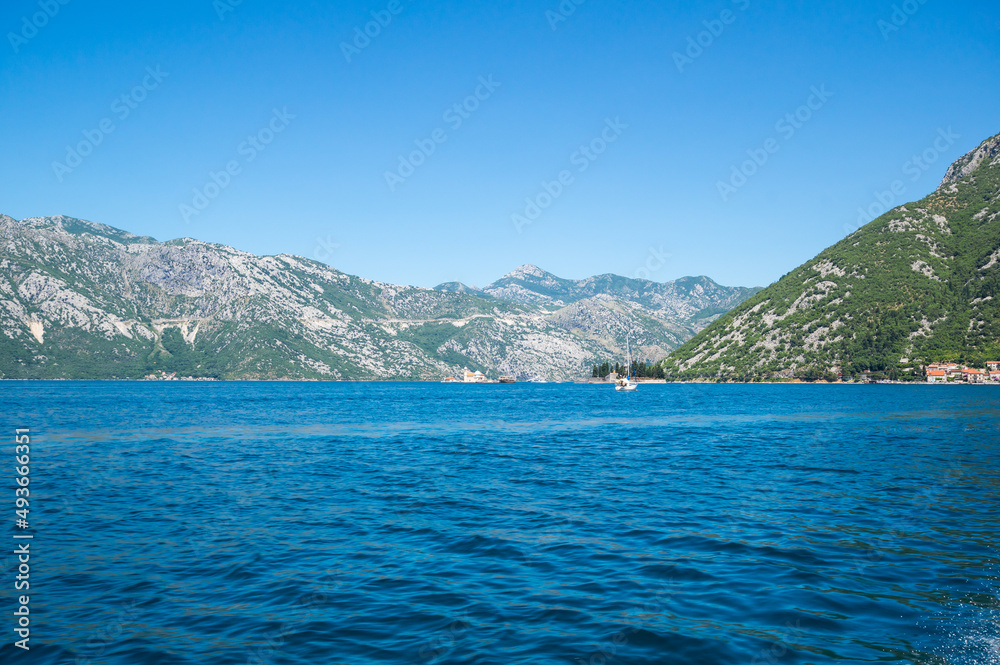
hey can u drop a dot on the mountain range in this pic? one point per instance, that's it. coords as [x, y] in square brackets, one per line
[84, 300]
[920, 283]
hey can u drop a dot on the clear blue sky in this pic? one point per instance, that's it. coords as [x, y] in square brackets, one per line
[224, 68]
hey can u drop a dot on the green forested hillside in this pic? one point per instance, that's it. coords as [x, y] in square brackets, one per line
[919, 283]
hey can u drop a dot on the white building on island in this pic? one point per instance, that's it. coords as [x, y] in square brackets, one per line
[475, 377]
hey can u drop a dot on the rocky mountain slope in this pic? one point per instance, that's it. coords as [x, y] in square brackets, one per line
[922, 282]
[689, 299]
[84, 300]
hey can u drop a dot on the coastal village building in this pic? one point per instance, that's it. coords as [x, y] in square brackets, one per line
[955, 373]
[936, 376]
[973, 375]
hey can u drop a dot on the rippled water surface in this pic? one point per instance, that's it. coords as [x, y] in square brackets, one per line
[316, 523]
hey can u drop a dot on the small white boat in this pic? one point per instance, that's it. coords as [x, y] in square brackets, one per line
[625, 384]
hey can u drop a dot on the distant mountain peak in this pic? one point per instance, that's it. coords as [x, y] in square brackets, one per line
[682, 299]
[527, 270]
[457, 287]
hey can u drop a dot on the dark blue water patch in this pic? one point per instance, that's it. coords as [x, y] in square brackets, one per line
[423, 523]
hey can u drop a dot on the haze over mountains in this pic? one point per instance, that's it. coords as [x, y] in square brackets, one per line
[920, 283]
[85, 300]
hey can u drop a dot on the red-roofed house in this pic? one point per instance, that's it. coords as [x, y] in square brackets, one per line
[974, 375]
[936, 376]
[955, 371]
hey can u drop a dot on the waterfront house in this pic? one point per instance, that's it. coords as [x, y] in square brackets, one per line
[973, 375]
[937, 376]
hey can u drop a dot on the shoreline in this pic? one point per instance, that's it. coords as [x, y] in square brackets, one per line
[660, 382]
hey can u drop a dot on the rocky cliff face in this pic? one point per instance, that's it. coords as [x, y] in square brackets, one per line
[922, 282]
[988, 152]
[84, 300]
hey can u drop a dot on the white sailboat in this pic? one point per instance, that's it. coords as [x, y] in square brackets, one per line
[626, 384]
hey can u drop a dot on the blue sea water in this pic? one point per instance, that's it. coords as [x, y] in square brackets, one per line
[342, 523]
